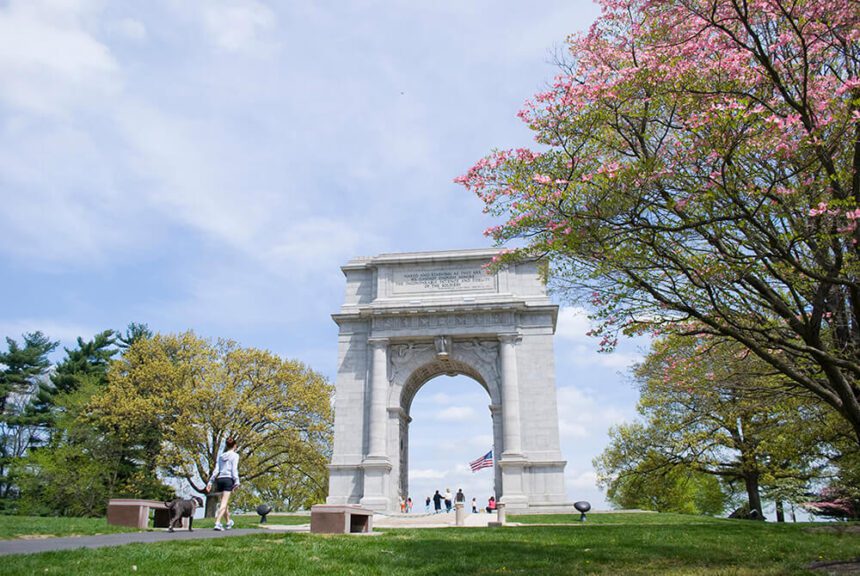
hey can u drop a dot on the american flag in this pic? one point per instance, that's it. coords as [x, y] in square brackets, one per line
[485, 461]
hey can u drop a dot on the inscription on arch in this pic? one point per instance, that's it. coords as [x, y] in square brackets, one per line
[413, 280]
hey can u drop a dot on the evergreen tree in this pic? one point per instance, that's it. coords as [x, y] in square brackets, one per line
[22, 368]
[106, 464]
[90, 359]
[133, 333]
[22, 365]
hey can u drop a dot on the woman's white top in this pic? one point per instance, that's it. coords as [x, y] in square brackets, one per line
[228, 467]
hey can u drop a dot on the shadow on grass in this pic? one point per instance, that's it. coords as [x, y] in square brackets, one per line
[710, 549]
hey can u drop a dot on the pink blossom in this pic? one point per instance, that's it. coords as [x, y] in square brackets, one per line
[821, 209]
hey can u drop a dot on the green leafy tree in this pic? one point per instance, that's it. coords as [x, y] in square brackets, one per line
[103, 462]
[703, 409]
[83, 466]
[296, 487]
[178, 397]
[700, 159]
[23, 367]
[655, 484]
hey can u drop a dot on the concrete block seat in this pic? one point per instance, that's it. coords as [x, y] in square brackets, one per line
[336, 519]
[134, 512]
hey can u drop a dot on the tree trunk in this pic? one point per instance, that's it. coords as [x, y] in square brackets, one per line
[212, 501]
[780, 513]
[753, 495]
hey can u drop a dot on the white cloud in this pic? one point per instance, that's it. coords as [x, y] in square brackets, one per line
[576, 347]
[426, 474]
[60, 84]
[580, 480]
[573, 324]
[441, 398]
[481, 441]
[456, 414]
[129, 28]
[238, 25]
[312, 244]
[582, 415]
[583, 355]
[49, 62]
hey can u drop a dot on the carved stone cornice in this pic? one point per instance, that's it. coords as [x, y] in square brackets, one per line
[444, 322]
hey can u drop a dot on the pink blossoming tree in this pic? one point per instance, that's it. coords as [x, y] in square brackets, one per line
[699, 166]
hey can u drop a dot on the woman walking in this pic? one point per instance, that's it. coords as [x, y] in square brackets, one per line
[226, 479]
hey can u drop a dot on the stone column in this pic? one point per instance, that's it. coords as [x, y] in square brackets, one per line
[498, 448]
[377, 464]
[512, 462]
[403, 421]
[378, 394]
[510, 395]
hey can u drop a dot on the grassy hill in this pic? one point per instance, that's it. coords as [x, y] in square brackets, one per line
[665, 544]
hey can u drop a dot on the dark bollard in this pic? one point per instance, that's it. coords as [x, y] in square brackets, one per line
[263, 510]
[583, 507]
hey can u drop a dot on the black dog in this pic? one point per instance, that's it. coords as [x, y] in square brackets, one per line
[180, 508]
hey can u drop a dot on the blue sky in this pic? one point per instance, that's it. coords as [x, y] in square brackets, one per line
[209, 165]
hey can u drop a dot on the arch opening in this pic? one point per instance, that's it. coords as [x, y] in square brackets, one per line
[460, 404]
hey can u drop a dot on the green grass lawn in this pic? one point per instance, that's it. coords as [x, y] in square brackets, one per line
[253, 520]
[607, 544]
[40, 526]
[43, 527]
[603, 518]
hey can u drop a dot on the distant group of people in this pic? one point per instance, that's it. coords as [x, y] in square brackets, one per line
[437, 500]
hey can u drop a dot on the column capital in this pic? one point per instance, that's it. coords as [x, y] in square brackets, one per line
[510, 338]
[378, 342]
[495, 409]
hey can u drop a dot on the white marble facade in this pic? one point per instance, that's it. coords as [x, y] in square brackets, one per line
[410, 317]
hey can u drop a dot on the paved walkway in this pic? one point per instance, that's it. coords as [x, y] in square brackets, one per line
[36, 545]
[423, 520]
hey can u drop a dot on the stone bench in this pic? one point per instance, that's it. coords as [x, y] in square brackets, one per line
[135, 513]
[335, 519]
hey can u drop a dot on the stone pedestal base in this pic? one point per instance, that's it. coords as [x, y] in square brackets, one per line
[377, 470]
[513, 468]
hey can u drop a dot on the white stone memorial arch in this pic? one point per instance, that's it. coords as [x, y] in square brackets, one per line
[408, 318]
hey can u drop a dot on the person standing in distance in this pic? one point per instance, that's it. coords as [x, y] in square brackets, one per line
[437, 502]
[226, 479]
